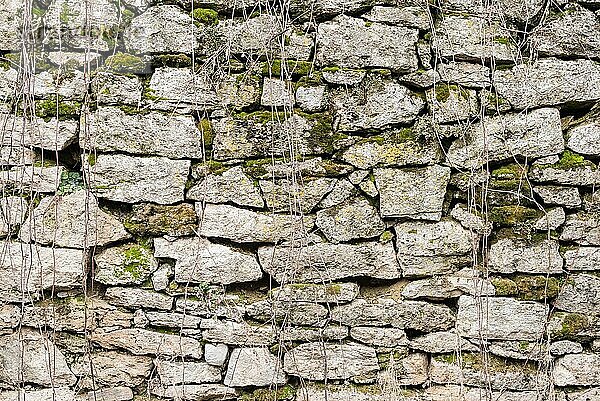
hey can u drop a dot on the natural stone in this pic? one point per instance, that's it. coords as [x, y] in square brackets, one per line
[13, 210]
[324, 293]
[442, 342]
[509, 255]
[315, 263]
[555, 195]
[169, 319]
[471, 219]
[55, 134]
[505, 318]
[448, 103]
[343, 76]
[73, 220]
[10, 23]
[312, 98]
[582, 228]
[117, 89]
[130, 179]
[31, 178]
[315, 361]
[111, 368]
[417, 193]
[233, 333]
[47, 394]
[447, 287]
[125, 264]
[295, 313]
[380, 336]
[111, 394]
[351, 220]
[579, 294]
[311, 334]
[182, 90]
[179, 372]
[582, 258]
[148, 219]
[465, 74]
[216, 355]
[195, 392]
[290, 195]
[253, 367]
[277, 93]
[231, 185]
[408, 371]
[138, 298]
[585, 138]
[254, 37]
[564, 347]
[577, 370]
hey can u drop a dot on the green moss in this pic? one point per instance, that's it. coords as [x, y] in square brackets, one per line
[132, 110]
[569, 160]
[442, 92]
[70, 181]
[136, 261]
[504, 286]
[512, 215]
[205, 16]
[571, 324]
[38, 12]
[331, 69]
[63, 109]
[386, 237]
[206, 130]
[293, 67]
[381, 71]
[321, 132]
[502, 40]
[333, 289]
[262, 117]
[283, 393]
[257, 168]
[64, 13]
[91, 159]
[368, 23]
[535, 288]
[125, 63]
[10, 60]
[173, 60]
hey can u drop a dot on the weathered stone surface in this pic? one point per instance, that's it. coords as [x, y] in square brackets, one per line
[380, 336]
[12, 213]
[592, 394]
[146, 342]
[573, 32]
[216, 355]
[296, 313]
[377, 104]
[147, 219]
[177, 320]
[124, 264]
[257, 36]
[442, 342]
[342, 191]
[117, 89]
[509, 255]
[408, 371]
[351, 220]
[111, 394]
[210, 305]
[231, 185]
[161, 29]
[110, 129]
[554, 195]
[178, 372]
[585, 138]
[392, 150]
[551, 220]
[344, 76]
[580, 294]
[415, 315]
[111, 368]
[315, 361]
[448, 103]
[182, 90]
[340, 392]
[442, 287]
[472, 39]
[318, 262]
[312, 98]
[71, 86]
[131, 179]
[138, 298]
[505, 318]
[30, 357]
[47, 394]
[234, 333]
[287, 195]
[10, 315]
[412, 16]
[200, 261]
[549, 82]
[349, 42]
[585, 173]
[582, 228]
[27, 269]
[461, 392]
[565, 347]
[277, 93]
[16, 156]
[253, 367]
[240, 225]
[53, 134]
[582, 258]
[311, 334]
[324, 293]
[195, 392]
[10, 22]
[30, 178]
[577, 370]
[417, 193]
[498, 374]
[465, 74]
[471, 219]
[535, 134]
[73, 220]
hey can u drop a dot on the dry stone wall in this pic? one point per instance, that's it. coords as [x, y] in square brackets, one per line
[316, 200]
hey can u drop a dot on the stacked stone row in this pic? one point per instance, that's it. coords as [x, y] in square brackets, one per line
[380, 201]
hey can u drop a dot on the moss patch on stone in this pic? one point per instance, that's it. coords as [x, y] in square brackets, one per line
[569, 160]
[530, 288]
[293, 67]
[443, 91]
[61, 109]
[206, 130]
[173, 60]
[125, 63]
[136, 262]
[205, 16]
[283, 393]
[512, 215]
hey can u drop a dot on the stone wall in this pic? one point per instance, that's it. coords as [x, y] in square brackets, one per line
[316, 200]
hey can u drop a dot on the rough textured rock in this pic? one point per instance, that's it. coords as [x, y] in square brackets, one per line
[231, 185]
[582, 258]
[551, 220]
[349, 42]
[195, 392]
[182, 90]
[234, 333]
[256, 36]
[377, 104]
[117, 89]
[131, 179]
[577, 370]
[200, 261]
[584, 173]
[535, 134]
[74, 221]
[379, 336]
[13, 210]
[216, 355]
[417, 193]
[31, 178]
[442, 342]
[505, 318]
[324, 293]
[408, 371]
[585, 138]
[510, 255]
[312, 98]
[351, 220]
[31, 268]
[148, 219]
[253, 367]
[171, 373]
[146, 342]
[554, 195]
[465, 74]
[314, 263]
[47, 394]
[579, 294]
[111, 394]
[137, 298]
[449, 103]
[125, 264]
[549, 82]
[113, 130]
[10, 23]
[316, 361]
[411, 16]
[277, 93]
[36, 358]
[53, 134]
[290, 195]
[295, 313]
[565, 347]
[113, 368]
[582, 228]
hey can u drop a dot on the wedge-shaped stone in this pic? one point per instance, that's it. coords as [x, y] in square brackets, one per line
[52, 134]
[376, 104]
[178, 372]
[555, 195]
[182, 90]
[324, 293]
[349, 42]
[472, 39]
[442, 342]
[509, 256]
[231, 185]
[504, 318]
[416, 193]
[323, 262]
[582, 258]
[573, 32]
[161, 29]
[138, 298]
[30, 178]
[316, 361]
[535, 134]
[582, 228]
[549, 82]
[287, 195]
[112, 368]
[74, 221]
[253, 367]
[131, 179]
[28, 269]
[415, 315]
[200, 261]
[110, 129]
[195, 392]
[585, 138]
[353, 219]
[241, 225]
[580, 294]
[30, 357]
[146, 342]
[577, 370]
